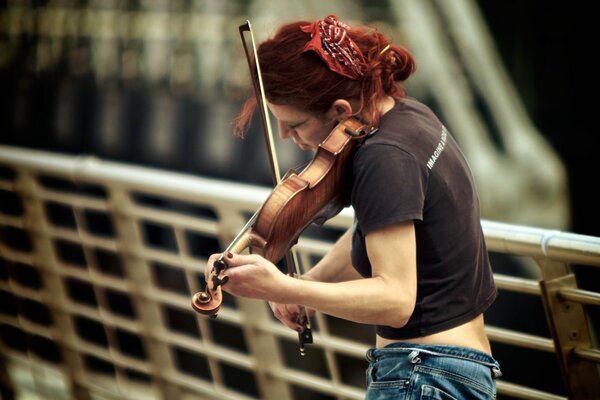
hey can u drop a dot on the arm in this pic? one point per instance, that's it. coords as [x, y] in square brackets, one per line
[387, 298]
[336, 265]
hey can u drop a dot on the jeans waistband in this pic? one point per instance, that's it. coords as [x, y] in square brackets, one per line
[413, 351]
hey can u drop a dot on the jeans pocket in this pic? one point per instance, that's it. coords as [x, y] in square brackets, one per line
[436, 383]
[369, 374]
[384, 390]
[432, 393]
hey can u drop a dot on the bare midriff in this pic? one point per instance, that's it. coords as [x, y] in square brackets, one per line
[470, 334]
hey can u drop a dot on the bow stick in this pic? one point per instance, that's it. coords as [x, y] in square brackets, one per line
[304, 337]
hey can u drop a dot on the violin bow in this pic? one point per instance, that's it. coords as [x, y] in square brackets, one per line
[304, 337]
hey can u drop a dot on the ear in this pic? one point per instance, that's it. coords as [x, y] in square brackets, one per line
[340, 109]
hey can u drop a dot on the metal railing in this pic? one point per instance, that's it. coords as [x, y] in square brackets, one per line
[98, 262]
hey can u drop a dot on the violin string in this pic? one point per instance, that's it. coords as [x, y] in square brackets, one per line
[241, 233]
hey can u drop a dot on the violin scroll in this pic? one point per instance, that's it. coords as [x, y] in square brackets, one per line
[209, 301]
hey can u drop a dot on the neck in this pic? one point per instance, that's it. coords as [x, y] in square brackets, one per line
[385, 104]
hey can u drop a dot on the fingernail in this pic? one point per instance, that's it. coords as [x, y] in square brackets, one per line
[229, 254]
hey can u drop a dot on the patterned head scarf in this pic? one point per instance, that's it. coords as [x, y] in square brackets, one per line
[330, 40]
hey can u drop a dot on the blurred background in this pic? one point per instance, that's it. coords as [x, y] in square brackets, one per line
[157, 83]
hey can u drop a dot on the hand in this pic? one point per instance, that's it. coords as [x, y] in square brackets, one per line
[289, 314]
[252, 276]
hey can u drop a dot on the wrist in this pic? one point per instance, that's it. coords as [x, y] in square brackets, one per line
[308, 277]
[286, 289]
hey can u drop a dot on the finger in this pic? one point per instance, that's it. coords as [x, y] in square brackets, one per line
[278, 314]
[236, 260]
[292, 324]
[211, 261]
[283, 314]
[214, 256]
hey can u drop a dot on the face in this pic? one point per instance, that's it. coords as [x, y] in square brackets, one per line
[305, 129]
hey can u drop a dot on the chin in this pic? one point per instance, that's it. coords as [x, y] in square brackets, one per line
[306, 147]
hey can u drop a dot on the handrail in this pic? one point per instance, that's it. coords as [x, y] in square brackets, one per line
[538, 242]
[131, 279]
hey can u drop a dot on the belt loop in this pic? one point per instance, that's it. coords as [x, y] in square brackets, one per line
[370, 357]
[496, 373]
[414, 358]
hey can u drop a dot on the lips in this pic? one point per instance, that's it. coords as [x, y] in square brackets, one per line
[303, 146]
[299, 144]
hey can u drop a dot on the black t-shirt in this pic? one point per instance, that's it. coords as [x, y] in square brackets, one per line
[412, 169]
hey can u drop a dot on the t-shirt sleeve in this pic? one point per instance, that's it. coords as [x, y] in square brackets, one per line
[389, 187]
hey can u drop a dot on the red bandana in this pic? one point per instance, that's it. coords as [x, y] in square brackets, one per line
[330, 40]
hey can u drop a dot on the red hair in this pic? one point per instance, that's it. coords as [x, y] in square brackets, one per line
[302, 80]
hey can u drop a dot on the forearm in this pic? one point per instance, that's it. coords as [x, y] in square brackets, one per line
[367, 301]
[336, 265]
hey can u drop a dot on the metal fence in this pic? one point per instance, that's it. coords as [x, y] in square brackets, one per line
[98, 262]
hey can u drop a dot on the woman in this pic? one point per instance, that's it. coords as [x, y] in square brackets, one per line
[416, 252]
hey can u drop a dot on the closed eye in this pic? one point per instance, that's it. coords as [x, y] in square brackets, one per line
[296, 125]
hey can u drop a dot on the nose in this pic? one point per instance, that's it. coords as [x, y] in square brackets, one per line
[284, 131]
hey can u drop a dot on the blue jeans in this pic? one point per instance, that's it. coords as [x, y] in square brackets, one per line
[430, 372]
